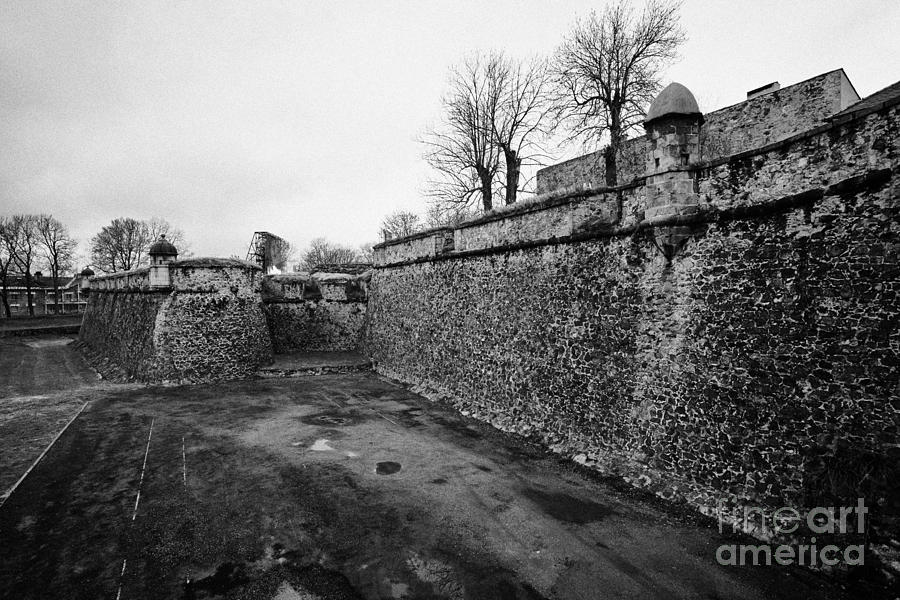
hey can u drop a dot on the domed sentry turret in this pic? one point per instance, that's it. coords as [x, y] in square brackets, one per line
[162, 252]
[87, 272]
[673, 135]
[673, 129]
[162, 248]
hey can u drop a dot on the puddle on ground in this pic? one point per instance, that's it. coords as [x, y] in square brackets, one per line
[227, 577]
[331, 420]
[321, 446]
[334, 418]
[287, 592]
[288, 580]
[49, 343]
[570, 509]
[387, 467]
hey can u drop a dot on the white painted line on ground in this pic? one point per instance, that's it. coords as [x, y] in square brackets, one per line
[10, 491]
[183, 463]
[121, 575]
[137, 500]
[384, 417]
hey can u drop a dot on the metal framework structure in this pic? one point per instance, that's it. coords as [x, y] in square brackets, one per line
[262, 248]
[257, 251]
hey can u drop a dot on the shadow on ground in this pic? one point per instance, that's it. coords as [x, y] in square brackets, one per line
[341, 486]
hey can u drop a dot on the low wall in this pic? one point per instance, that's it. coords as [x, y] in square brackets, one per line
[757, 367]
[208, 325]
[318, 313]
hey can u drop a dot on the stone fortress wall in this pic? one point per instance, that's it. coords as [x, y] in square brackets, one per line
[722, 331]
[216, 319]
[206, 324]
[322, 312]
[725, 331]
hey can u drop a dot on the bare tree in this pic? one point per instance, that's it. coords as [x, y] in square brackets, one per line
[157, 227]
[5, 265]
[443, 215]
[58, 249]
[462, 150]
[608, 71]
[366, 253]
[123, 244]
[278, 252]
[323, 252]
[22, 240]
[399, 223]
[496, 107]
[119, 246]
[520, 116]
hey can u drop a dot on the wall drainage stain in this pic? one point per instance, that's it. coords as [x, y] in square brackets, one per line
[387, 467]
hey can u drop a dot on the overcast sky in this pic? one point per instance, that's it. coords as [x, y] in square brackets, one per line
[301, 117]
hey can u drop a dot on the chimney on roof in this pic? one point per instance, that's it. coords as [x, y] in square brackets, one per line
[766, 89]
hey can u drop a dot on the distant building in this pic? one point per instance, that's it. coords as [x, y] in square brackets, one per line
[72, 290]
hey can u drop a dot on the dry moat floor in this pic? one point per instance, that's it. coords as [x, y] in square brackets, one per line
[336, 486]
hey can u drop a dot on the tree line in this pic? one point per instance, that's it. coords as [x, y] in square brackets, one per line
[35, 243]
[31, 242]
[499, 113]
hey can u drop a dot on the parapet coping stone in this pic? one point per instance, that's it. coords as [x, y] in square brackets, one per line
[119, 274]
[212, 261]
[872, 179]
[558, 197]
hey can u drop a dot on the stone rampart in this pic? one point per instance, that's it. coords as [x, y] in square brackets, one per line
[322, 312]
[207, 325]
[757, 365]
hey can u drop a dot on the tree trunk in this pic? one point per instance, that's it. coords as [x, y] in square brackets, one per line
[487, 199]
[28, 293]
[612, 151]
[609, 164]
[56, 292]
[513, 168]
[4, 295]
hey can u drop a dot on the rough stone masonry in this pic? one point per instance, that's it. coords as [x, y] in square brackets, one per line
[720, 331]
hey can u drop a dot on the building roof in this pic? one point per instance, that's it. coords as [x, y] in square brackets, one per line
[883, 97]
[163, 247]
[675, 99]
[17, 280]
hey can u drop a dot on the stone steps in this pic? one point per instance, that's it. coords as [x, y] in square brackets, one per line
[305, 364]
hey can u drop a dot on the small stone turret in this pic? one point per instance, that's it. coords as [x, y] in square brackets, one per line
[162, 252]
[673, 129]
[673, 132]
[84, 279]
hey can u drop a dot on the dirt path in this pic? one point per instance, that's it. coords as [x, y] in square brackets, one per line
[340, 487]
[39, 365]
[43, 383]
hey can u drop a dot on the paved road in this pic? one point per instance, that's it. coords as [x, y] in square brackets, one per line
[342, 486]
